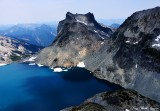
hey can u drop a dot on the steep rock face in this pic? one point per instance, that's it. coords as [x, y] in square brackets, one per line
[136, 54]
[13, 50]
[139, 37]
[78, 36]
[122, 100]
[131, 58]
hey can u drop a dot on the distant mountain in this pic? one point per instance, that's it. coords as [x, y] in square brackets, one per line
[109, 22]
[114, 26]
[36, 34]
[14, 50]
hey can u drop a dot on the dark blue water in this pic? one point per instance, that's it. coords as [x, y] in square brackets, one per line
[33, 88]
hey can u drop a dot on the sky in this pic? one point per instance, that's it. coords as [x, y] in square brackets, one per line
[38, 11]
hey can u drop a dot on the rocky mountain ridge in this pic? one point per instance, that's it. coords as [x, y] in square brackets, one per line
[35, 34]
[14, 50]
[130, 57]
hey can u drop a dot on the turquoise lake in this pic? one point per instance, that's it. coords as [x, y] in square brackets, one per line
[33, 88]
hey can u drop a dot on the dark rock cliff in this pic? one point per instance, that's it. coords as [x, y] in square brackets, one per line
[129, 57]
[136, 54]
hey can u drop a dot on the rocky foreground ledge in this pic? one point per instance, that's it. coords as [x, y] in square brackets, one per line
[122, 100]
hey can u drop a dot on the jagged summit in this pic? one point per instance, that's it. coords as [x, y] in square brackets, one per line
[87, 19]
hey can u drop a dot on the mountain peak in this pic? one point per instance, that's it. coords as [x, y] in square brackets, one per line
[87, 19]
[69, 16]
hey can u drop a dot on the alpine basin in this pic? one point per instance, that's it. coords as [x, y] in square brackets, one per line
[33, 88]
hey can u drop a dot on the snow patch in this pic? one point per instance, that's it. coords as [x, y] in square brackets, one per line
[58, 69]
[144, 108]
[157, 42]
[32, 59]
[81, 64]
[3, 64]
[126, 110]
[102, 37]
[99, 34]
[156, 45]
[102, 32]
[81, 22]
[40, 65]
[158, 38]
[127, 41]
[102, 42]
[136, 66]
[65, 70]
[31, 64]
[136, 42]
[95, 31]
[20, 48]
